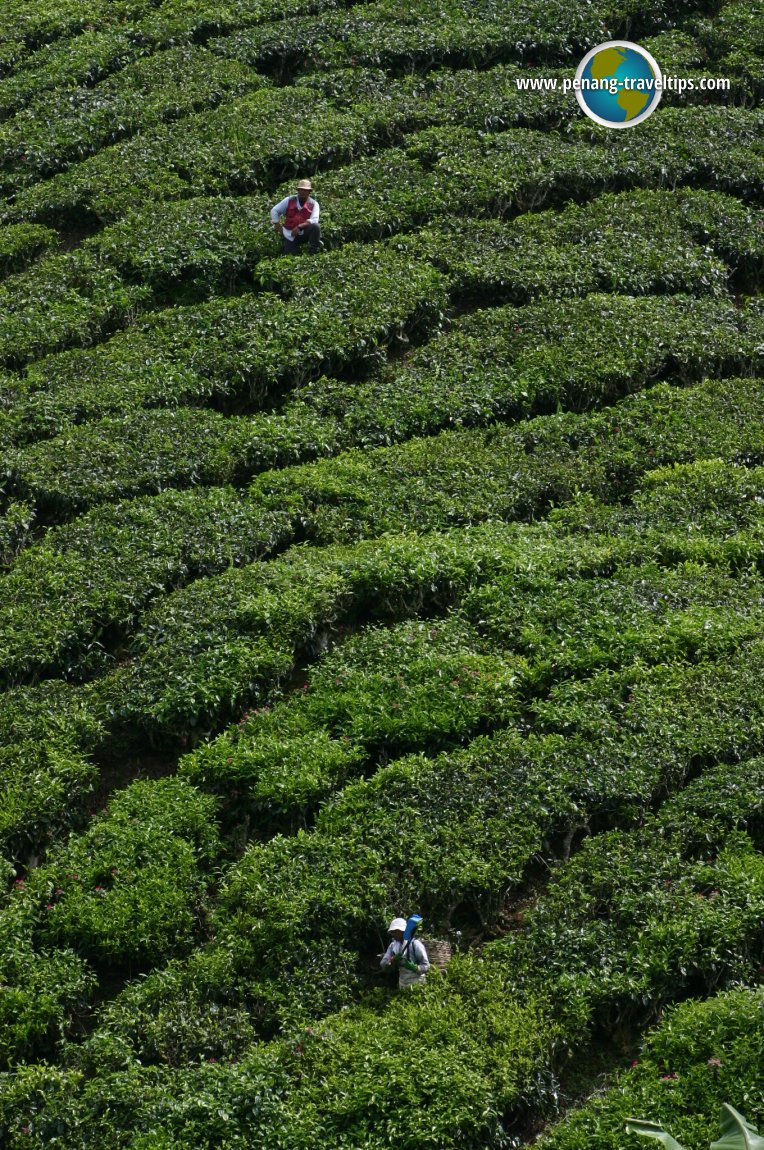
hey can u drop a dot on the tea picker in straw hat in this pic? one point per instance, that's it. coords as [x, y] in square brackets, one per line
[406, 953]
[300, 224]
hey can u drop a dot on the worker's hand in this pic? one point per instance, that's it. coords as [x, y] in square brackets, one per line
[277, 227]
[412, 966]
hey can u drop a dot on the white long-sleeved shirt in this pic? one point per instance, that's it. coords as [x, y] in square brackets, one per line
[279, 209]
[416, 952]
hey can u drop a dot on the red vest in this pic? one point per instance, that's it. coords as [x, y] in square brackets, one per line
[295, 216]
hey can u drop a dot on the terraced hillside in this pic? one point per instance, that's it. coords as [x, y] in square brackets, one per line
[425, 574]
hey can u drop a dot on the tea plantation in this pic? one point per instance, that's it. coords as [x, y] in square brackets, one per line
[424, 574]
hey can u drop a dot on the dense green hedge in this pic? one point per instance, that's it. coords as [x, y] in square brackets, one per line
[16, 522]
[425, 685]
[441, 834]
[209, 649]
[522, 170]
[210, 240]
[56, 19]
[62, 299]
[519, 169]
[621, 790]
[640, 242]
[378, 694]
[498, 362]
[641, 918]
[32, 813]
[127, 555]
[21, 243]
[702, 1055]
[441, 1068]
[607, 763]
[642, 611]
[572, 354]
[476, 1057]
[40, 988]
[75, 46]
[41, 140]
[48, 733]
[100, 49]
[734, 41]
[68, 62]
[208, 244]
[243, 348]
[250, 142]
[717, 147]
[196, 238]
[379, 34]
[113, 561]
[132, 886]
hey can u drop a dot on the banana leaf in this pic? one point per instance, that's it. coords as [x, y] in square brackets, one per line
[652, 1130]
[736, 1133]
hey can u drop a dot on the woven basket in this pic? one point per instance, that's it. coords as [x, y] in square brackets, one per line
[438, 951]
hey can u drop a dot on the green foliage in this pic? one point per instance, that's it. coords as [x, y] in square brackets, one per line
[39, 988]
[46, 736]
[247, 143]
[441, 1067]
[737, 1134]
[701, 1055]
[41, 784]
[379, 35]
[122, 561]
[21, 243]
[450, 706]
[132, 886]
[641, 917]
[220, 643]
[113, 561]
[506, 363]
[735, 42]
[245, 348]
[380, 693]
[168, 85]
[62, 299]
[15, 524]
[570, 625]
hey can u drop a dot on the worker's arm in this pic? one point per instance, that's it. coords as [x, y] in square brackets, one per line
[278, 210]
[314, 214]
[388, 957]
[420, 957]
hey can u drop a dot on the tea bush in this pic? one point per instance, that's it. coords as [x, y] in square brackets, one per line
[39, 141]
[247, 143]
[376, 695]
[501, 651]
[115, 560]
[21, 243]
[244, 348]
[607, 347]
[132, 886]
[40, 989]
[701, 1055]
[472, 1059]
[254, 621]
[60, 300]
